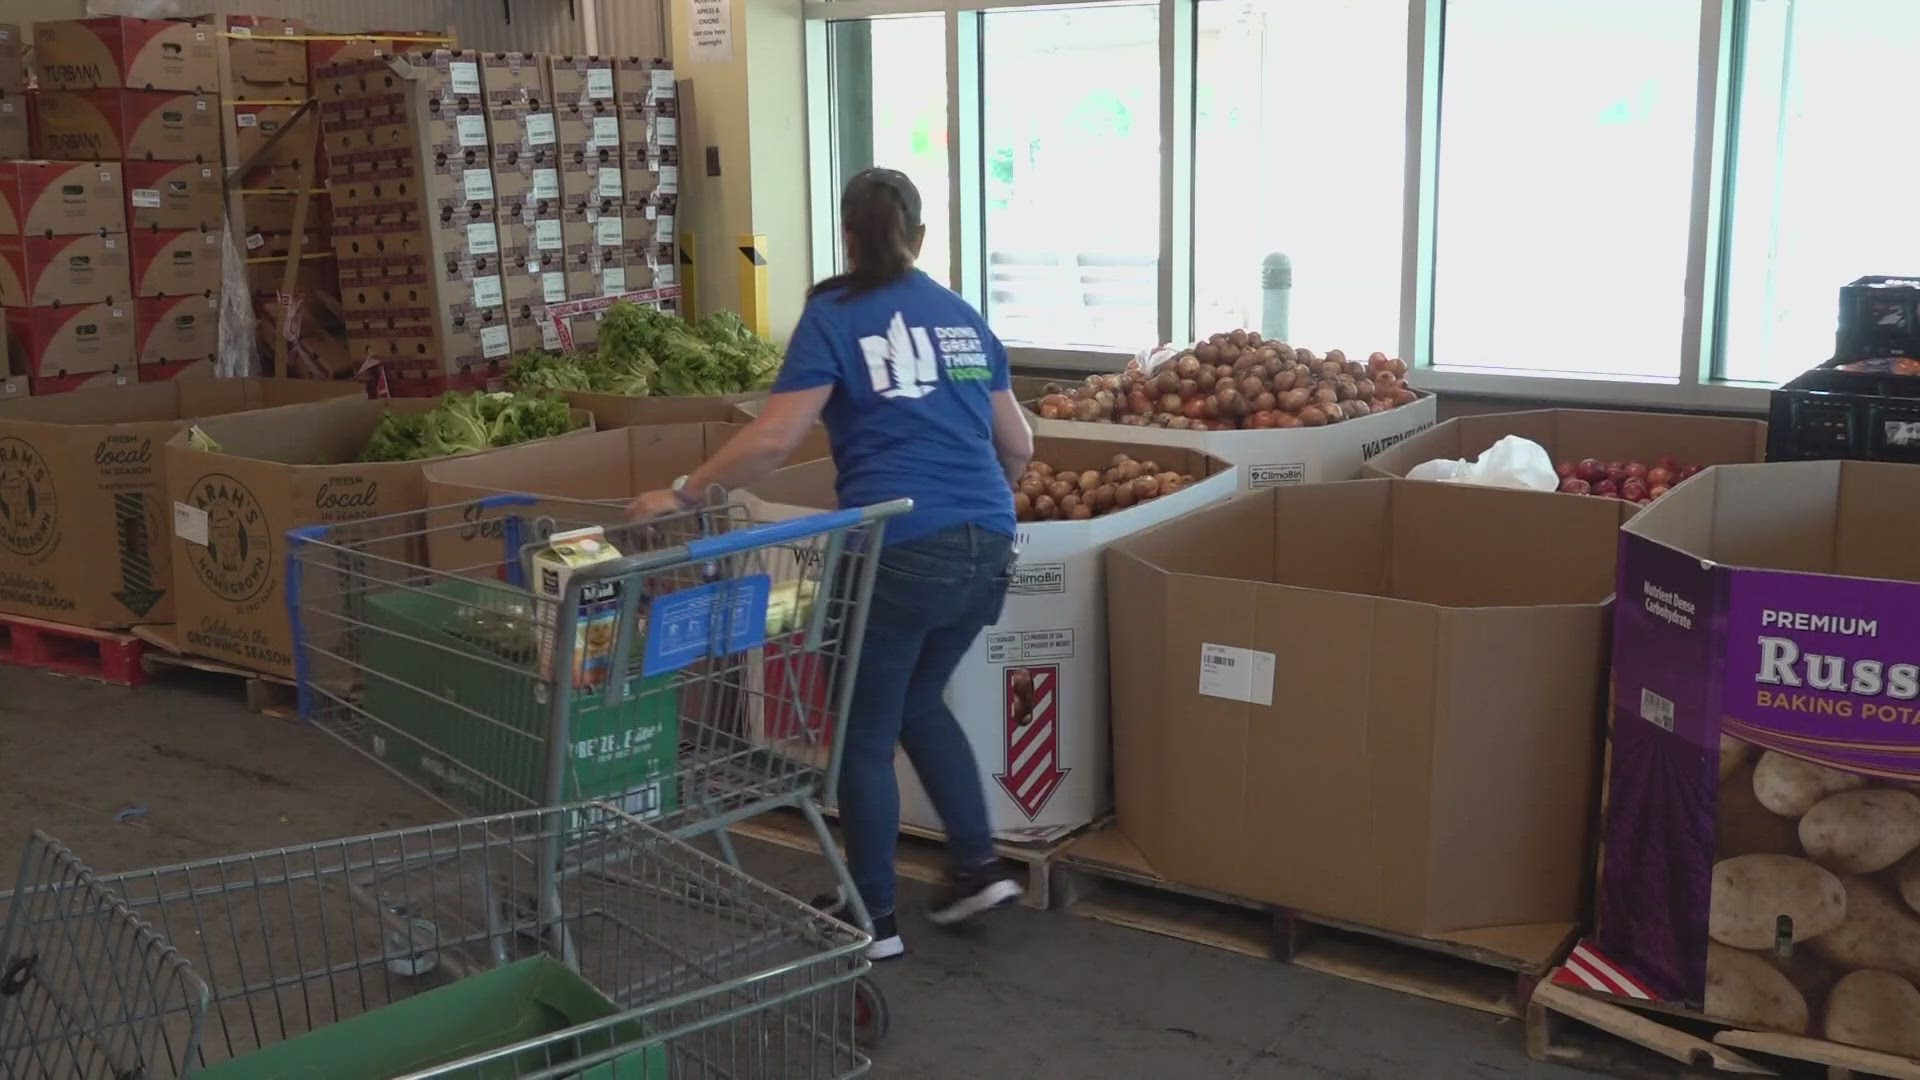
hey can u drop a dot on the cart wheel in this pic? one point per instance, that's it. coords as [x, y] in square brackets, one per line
[872, 1020]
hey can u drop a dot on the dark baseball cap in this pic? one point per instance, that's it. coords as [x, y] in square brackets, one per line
[889, 178]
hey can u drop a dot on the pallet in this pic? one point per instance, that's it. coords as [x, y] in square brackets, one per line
[1566, 1026]
[268, 695]
[921, 856]
[104, 655]
[1103, 876]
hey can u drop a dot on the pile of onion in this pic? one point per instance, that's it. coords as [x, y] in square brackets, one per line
[1236, 380]
[1045, 493]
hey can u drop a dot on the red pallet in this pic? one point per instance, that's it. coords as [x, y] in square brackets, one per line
[72, 650]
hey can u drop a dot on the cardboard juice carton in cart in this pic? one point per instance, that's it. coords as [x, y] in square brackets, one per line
[1761, 841]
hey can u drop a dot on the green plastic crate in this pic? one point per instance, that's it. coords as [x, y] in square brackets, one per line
[525, 1000]
[423, 671]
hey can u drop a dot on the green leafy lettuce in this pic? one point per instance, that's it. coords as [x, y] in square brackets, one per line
[644, 351]
[466, 424]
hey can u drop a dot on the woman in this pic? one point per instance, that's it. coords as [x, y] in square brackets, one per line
[915, 393]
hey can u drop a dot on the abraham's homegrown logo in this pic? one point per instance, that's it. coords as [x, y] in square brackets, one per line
[238, 553]
[29, 509]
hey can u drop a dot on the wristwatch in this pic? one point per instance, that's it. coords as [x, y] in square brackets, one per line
[680, 493]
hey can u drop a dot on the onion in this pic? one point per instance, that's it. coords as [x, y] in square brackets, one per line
[1032, 487]
[1385, 381]
[1045, 508]
[1146, 488]
[1338, 356]
[1180, 423]
[1283, 380]
[1056, 407]
[1398, 367]
[1085, 411]
[1079, 513]
[1205, 380]
[1139, 402]
[1169, 404]
[1261, 419]
[1058, 490]
[1187, 365]
[1303, 356]
[1311, 416]
[1068, 502]
[1123, 496]
[1296, 399]
[1207, 353]
[1188, 388]
[1333, 413]
[1356, 408]
[1253, 337]
[1166, 382]
[1022, 506]
[1363, 388]
[1239, 338]
[1265, 401]
[1353, 369]
[1345, 389]
[1041, 468]
[1195, 408]
[1402, 396]
[1325, 394]
[1285, 420]
[1232, 404]
[1252, 387]
[1102, 498]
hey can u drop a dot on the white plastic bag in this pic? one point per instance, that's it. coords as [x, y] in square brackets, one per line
[1513, 462]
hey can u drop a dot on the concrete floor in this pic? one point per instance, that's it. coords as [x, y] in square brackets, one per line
[1029, 994]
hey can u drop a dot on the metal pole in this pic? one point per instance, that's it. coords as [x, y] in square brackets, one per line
[1276, 295]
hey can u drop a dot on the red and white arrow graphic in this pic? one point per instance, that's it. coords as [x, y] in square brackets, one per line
[1032, 703]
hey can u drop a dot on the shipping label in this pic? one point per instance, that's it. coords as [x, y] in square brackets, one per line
[1236, 674]
[1282, 474]
[472, 130]
[1026, 646]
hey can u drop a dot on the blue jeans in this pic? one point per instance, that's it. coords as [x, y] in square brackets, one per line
[931, 597]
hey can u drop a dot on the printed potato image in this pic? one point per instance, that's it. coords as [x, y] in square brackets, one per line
[1790, 786]
[1744, 827]
[1808, 973]
[1861, 832]
[1907, 879]
[1877, 1010]
[1743, 987]
[1758, 898]
[1734, 755]
[1022, 682]
[1878, 932]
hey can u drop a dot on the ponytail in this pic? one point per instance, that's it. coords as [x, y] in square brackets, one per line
[879, 218]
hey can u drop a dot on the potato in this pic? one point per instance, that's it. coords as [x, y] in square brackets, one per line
[1907, 878]
[1733, 754]
[1790, 786]
[1861, 832]
[1878, 932]
[1757, 897]
[1877, 1010]
[1743, 827]
[1744, 988]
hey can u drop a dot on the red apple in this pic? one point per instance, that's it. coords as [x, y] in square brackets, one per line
[1591, 469]
[1617, 473]
[1573, 485]
[1634, 489]
[1636, 470]
[1688, 471]
[1659, 476]
[1666, 462]
[1606, 487]
[1642, 501]
[1654, 491]
[1567, 470]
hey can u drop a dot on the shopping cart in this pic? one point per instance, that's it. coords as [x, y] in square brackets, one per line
[693, 681]
[569, 942]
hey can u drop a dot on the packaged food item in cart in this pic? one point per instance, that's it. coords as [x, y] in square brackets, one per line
[596, 624]
[789, 606]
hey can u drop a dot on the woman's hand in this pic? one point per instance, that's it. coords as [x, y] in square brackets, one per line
[653, 504]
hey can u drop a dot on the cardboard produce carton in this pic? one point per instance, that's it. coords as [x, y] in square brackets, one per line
[174, 195]
[115, 378]
[1031, 693]
[130, 125]
[13, 68]
[1758, 847]
[49, 271]
[57, 341]
[265, 54]
[83, 510]
[61, 198]
[14, 388]
[276, 470]
[1377, 701]
[15, 139]
[176, 330]
[622, 411]
[117, 51]
[183, 262]
[1573, 435]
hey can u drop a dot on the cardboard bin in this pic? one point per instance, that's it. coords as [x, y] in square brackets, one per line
[83, 509]
[1031, 693]
[1377, 701]
[1760, 821]
[1572, 435]
[276, 470]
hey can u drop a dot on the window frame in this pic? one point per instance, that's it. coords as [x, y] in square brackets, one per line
[1695, 385]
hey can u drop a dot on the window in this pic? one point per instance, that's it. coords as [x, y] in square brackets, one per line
[890, 109]
[1816, 138]
[1071, 177]
[1300, 151]
[1564, 185]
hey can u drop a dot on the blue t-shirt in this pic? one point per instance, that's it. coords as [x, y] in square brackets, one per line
[913, 369]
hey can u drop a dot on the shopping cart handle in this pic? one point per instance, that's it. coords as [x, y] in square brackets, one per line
[782, 532]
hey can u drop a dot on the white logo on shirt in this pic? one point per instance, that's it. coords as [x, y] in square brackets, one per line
[902, 364]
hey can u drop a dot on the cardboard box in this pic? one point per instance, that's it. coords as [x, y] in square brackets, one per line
[277, 470]
[174, 195]
[255, 127]
[177, 370]
[515, 84]
[265, 52]
[84, 532]
[15, 139]
[1276, 458]
[1377, 701]
[1763, 733]
[583, 87]
[53, 341]
[116, 51]
[14, 387]
[1044, 755]
[13, 68]
[1571, 435]
[115, 378]
[649, 172]
[184, 262]
[130, 125]
[42, 271]
[272, 211]
[175, 329]
[61, 198]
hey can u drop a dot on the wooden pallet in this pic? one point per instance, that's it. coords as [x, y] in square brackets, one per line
[1584, 1030]
[1103, 876]
[268, 695]
[105, 655]
[922, 854]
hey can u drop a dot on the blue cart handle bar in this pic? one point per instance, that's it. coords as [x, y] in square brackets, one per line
[709, 548]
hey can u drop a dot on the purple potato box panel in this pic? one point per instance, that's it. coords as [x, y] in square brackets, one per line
[1821, 667]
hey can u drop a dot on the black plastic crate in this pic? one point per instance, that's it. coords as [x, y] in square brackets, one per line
[1879, 316]
[1827, 413]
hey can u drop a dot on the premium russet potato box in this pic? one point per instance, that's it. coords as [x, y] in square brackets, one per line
[1761, 827]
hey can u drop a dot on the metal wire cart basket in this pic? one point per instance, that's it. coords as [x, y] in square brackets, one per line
[569, 942]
